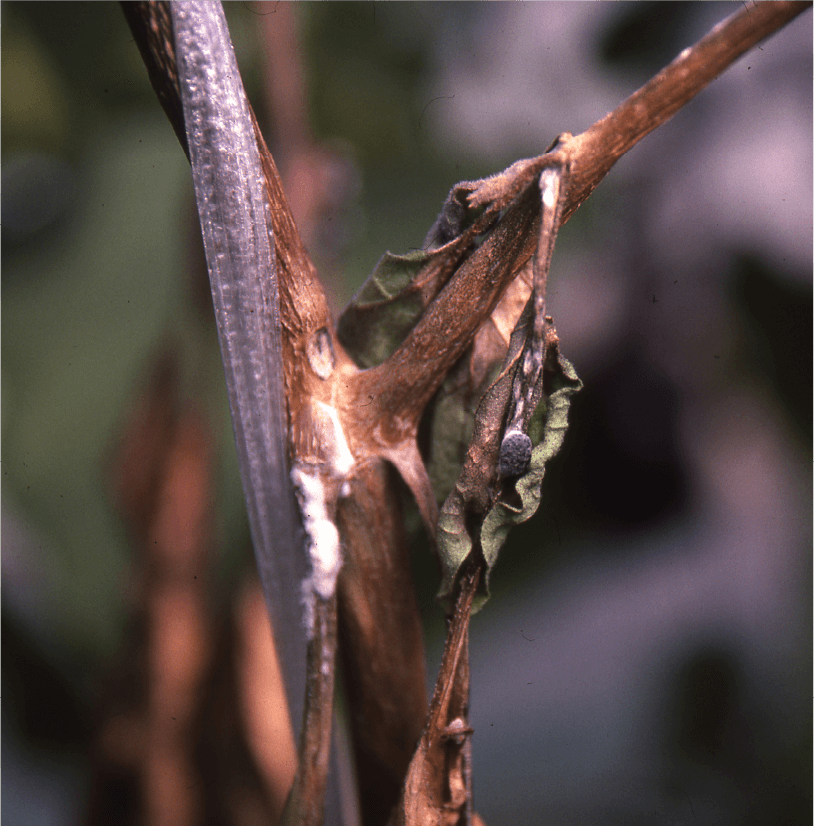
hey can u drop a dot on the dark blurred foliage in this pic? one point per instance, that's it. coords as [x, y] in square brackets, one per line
[342, 43]
[618, 477]
[712, 728]
[777, 344]
[645, 37]
[40, 698]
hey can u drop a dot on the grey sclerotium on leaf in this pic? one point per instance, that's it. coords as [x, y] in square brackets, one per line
[515, 454]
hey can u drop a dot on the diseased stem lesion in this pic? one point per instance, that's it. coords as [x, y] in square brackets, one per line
[437, 788]
[515, 448]
[306, 800]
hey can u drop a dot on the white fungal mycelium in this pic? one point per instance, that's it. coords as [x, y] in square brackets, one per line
[322, 541]
[313, 484]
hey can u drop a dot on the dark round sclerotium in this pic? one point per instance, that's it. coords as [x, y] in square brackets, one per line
[515, 454]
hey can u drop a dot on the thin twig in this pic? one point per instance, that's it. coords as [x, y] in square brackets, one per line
[409, 378]
[599, 147]
[515, 449]
[437, 788]
[306, 801]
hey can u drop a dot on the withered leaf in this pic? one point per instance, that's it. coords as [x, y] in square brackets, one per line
[392, 301]
[480, 509]
[451, 417]
[401, 287]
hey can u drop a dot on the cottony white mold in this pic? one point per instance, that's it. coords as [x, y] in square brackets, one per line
[323, 542]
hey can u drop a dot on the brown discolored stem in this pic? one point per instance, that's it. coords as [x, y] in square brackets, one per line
[306, 801]
[387, 665]
[151, 25]
[380, 408]
[437, 788]
[408, 379]
[381, 640]
[598, 148]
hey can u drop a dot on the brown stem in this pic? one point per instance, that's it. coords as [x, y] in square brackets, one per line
[387, 402]
[306, 801]
[380, 619]
[303, 304]
[405, 383]
[437, 787]
[599, 147]
[381, 640]
[409, 378]
[151, 25]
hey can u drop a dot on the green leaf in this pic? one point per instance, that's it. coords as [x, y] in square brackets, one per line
[463, 423]
[551, 425]
[401, 287]
[482, 507]
[385, 309]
